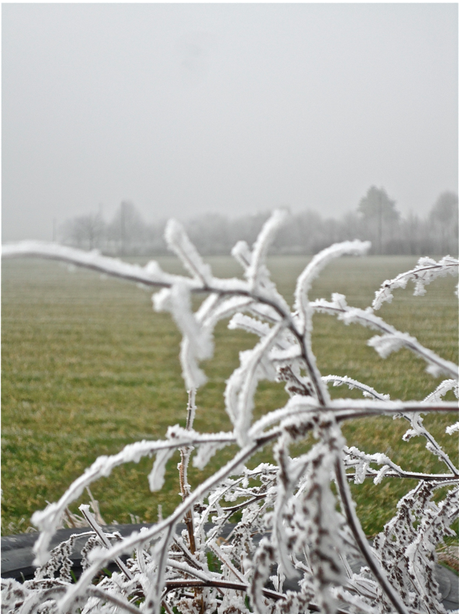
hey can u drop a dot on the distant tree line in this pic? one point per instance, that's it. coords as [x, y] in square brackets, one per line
[375, 218]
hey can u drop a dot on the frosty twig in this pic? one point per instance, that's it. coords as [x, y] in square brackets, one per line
[289, 521]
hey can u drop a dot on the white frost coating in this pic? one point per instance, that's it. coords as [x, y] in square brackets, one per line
[360, 604]
[453, 428]
[193, 376]
[180, 436]
[207, 308]
[441, 390]
[224, 308]
[206, 452]
[178, 241]
[368, 391]
[319, 262]
[48, 519]
[230, 306]
[309, 535]
[241, 252]
[249, 324]
[418, 429]
[339, 300]
[361, 462]
[162, 300]
[197, 343]
[381, 474]
[257, 269]
[133, 540]
[267, 312]
[296, 406]
[364, 317]
[242, 384]
[426, 271]
[387, 344]
[280, 356]
[153, 269]
[286, 350]
[156, 476]
[152, 275]
[391, 407]
[254, 366]
[354, 315]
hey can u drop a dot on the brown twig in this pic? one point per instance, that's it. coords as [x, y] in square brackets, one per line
[361, 540]
[185, 453]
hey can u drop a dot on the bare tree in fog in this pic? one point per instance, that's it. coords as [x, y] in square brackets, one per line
[379, 216]
[307, 232]
[126, 232]
[212, 232]
[443, 223]
[247, 227]
[413, 233]
[85, 231]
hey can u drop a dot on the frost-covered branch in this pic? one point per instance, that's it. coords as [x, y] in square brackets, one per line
[361, 540]
[391, 340]
[304, 309]
[368, 391]
[290, 522]
[426, 271]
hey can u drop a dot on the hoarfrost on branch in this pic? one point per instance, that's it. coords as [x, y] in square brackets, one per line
[301, 506]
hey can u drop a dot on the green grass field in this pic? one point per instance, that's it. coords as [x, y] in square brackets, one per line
[88, 367]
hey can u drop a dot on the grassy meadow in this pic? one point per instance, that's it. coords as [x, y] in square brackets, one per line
[88, 367]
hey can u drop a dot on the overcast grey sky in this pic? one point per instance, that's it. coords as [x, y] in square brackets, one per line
[231, 108]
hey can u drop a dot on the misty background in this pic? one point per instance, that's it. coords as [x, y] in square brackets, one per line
[119, 116]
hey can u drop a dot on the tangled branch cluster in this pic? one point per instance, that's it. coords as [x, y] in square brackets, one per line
[300, 506]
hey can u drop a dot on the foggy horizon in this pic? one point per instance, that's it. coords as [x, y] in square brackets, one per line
[234, 109]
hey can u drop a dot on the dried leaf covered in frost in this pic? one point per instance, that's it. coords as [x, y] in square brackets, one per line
[241, 385]
[316, 520]
[417, 515]
[387, 344]
[197, 343]
[205, 452]
[156, 476]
